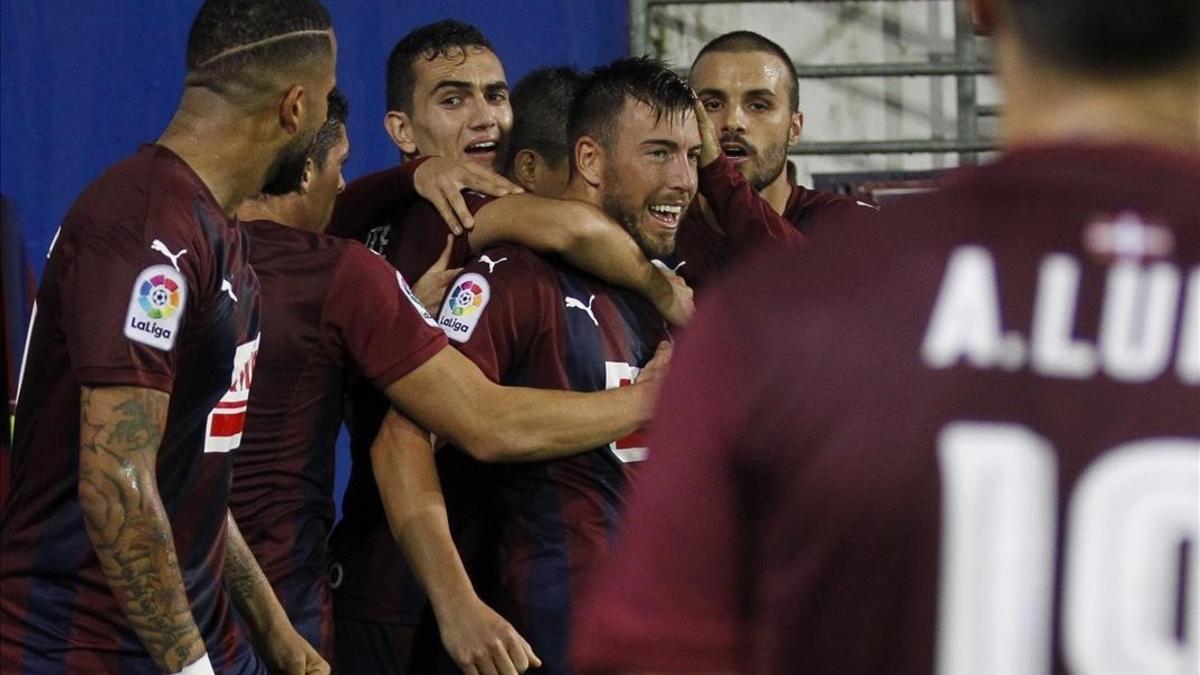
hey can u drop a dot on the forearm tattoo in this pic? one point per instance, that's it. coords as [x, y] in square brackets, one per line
[121, 429]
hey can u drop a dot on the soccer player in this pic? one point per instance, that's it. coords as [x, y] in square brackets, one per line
[964, 440]
[535, 320]
[114, 536]
[333, 306]
[539, 150]
[749, 87]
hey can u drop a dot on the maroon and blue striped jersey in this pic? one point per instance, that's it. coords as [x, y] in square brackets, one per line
[330, 308]
[533, 321]
[147, 285]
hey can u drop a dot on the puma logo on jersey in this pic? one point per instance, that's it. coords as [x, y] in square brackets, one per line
[491, 263]
[157, 245]
[227, 288]
[663, 265]
[573, 303]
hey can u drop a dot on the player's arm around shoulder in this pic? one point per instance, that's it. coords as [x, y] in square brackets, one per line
[493, 313]
[121, 429]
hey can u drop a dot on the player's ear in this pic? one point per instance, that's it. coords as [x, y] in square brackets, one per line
[525, 168]
[795, 128]
[292, 108]
[589, 160]
[399, 128]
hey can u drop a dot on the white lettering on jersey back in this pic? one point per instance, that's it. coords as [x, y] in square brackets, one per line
[966, 318]
[1055, 353]
[156, 306]
[464, 305]
[223, 429]
[1140, 315]
[632, 448]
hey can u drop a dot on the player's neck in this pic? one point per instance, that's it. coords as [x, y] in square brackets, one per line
[284, 210]
[1048, 106]
[777, 193]
[224, 147]
[580, 190]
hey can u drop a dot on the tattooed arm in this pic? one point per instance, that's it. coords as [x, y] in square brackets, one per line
[121, 429]
[282, 648]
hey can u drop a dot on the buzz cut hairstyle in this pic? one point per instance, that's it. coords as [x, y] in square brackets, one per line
[243, 42]
[330, 131]
[444, 39]
[1109, 37]
[541, 104]
[744, 41]
[607, 89]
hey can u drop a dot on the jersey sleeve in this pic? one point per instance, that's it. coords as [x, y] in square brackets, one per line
[671, 597]
[372, 199]
[128, 293]
[494, 309]
[378, 319]
[745, 217]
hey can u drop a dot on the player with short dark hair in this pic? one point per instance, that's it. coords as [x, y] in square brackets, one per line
[534, 320]
[540, 150]
[963, 439]
[748, 86]
[118, 551]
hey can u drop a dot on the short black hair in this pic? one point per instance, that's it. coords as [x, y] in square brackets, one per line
[742, 41]
[1108, 37]
[541, 104]
[604, 93]
[328, 134]
[243, 38]
[442, 39]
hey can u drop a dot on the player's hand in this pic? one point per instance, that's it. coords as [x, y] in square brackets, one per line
[441, 181]
[431, 287]
[710, 144]
[481, 642]
[287, 653]
[675, 302]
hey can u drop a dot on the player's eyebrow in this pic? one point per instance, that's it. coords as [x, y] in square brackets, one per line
[764, 93]
[709, 91]
[668, 144]
[451, 84]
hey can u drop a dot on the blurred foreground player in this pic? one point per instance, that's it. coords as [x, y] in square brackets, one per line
[113, 539]
[967, 442]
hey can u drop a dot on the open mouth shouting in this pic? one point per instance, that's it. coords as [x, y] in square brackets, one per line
[482, 151]
[666, 214]
[736, 150]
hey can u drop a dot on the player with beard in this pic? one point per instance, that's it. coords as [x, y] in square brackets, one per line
[536, 320]
[334, 306]
[748, 86]
[964, 439]
[114, 536]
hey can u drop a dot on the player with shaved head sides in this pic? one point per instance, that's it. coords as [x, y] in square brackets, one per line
[119, 554]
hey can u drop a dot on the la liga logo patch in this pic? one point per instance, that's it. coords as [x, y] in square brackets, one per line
[463, 306]
[156, 306]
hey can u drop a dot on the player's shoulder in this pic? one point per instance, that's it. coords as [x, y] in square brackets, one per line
[510, 262]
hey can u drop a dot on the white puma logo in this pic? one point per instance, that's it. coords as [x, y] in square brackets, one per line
[675, 269]
[573, 303]
[662, 265]
[491, 263]
[157, 245]
[227, 287]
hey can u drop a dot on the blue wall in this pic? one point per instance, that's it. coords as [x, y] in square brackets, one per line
[84, 82]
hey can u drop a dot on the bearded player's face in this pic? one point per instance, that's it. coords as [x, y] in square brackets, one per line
[461, 108]
[650, 174]
[748, 97]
